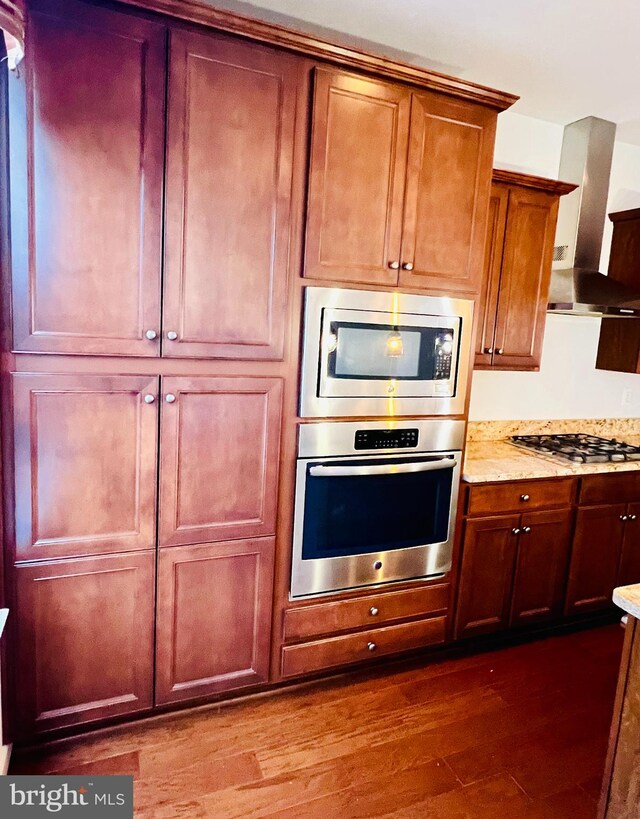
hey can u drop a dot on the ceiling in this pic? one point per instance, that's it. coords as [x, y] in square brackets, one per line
[565, 58]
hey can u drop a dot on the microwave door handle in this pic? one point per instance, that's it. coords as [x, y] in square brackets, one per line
[381, 469]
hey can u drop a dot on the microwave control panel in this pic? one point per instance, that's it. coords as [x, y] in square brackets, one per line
[385, 438]
[444, 352]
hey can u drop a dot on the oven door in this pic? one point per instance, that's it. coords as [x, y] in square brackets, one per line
[362, 521]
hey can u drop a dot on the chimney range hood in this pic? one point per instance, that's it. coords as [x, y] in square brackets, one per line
[581, 290]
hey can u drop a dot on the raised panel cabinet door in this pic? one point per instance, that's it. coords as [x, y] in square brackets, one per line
[356, 179]
[541, 567]
[526, 272]
[231, 116]
[214, 618]
[87, 143]
[448, 186]
[488, 302]
[219, 448]
[595, 558]
[629, 571]
[85, 461]
[84, 640]
[486, 575]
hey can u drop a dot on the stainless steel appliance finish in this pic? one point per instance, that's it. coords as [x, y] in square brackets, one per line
[326, 393]
[579, 447]
[396, 475]
[581, 290]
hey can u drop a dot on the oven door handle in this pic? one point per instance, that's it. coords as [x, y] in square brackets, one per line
[320, 471]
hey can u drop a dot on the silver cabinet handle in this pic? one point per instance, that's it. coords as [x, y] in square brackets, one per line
[394, 265]
[169, 398]
[515, 531]
[371, 646]
[407, 266]
[526, 529]
[488, 350]
[524, 498]
[632, 517]
[151, 334]
[172, 335]
[500, 351]
[373, 611]
[623, 517]
[382, 469]
[149, 399]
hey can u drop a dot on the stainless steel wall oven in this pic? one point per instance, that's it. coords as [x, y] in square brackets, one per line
[371, 353]
[375, 502]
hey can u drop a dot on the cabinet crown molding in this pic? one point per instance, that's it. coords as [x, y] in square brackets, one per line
[526, 180]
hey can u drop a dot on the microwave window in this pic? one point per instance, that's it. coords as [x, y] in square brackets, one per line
[371, 351]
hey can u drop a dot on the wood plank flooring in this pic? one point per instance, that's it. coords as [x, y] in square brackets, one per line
[518, 733]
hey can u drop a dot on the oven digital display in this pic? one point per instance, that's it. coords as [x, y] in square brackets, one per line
[374, 351]
[385, 438]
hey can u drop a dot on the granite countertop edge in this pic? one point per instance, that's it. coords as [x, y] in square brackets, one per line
[628, 599]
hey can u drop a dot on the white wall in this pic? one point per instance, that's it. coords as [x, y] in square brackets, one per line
[568, 385]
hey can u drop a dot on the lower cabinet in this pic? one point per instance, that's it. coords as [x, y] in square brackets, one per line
[514, 570]
[214, 618]
[85, 647]
[630, 558]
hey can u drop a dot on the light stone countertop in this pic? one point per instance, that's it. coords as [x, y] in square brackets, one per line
[628, 599]
[489, 460]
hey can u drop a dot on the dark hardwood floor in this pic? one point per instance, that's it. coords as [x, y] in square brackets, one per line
[517, 733]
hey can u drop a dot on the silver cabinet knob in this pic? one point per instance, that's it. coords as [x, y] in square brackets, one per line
[394, 265]
[373, 611]
[524, 498]
[169, 398]
[371, 646]
[488, 350]
[500, 351]
[515, 531]
[623, 517]
[632, 517]
[172, 335]
[526, 529]
[151, 334]
[407, 266]
[149, 399]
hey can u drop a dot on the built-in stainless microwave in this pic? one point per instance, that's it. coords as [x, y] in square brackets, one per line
[372, 353]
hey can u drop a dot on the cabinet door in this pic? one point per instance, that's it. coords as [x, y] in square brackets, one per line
[630, 559]
[486, 575]
[214, 618]
[85, 459]
[488, 303]
[219, 447]
[84, 640]
[87, 165]
[526, 271]
[595, 558]
[448, 185]
[541, 567]
[356, 179]
[229, 174]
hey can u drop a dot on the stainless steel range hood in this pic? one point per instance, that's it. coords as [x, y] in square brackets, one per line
[580, 289]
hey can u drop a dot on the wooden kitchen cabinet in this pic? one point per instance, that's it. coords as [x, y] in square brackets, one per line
[398, 185]
[486, 575]
[518, 255]
[231, 115]
[85, 647]
[629, 571]
[85, 464]
[87, 160]
[214, 618]
[219, 447]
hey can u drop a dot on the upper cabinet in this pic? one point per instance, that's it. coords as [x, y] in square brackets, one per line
[398, 185]
[517, 269]
[87, 161]
[88, 169]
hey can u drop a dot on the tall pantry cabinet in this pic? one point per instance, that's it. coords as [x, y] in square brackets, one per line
[143, 496]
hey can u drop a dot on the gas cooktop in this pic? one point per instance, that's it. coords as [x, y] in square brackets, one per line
[580, 448]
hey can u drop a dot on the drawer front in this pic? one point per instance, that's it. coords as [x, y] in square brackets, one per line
[520, 496]
[365, 645]
[363, 612]
[623, 487]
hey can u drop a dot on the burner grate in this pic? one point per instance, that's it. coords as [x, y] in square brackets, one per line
[579, 447]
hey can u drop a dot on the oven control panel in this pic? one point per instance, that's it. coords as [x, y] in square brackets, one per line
[385, 438]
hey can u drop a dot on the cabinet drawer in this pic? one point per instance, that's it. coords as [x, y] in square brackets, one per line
[516, 496]
[353, 648]
[374, 610]
[619, 488]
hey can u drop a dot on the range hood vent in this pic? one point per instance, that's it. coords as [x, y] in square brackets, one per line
[581, 289]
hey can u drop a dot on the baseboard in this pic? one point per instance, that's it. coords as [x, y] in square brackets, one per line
[5, 756]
